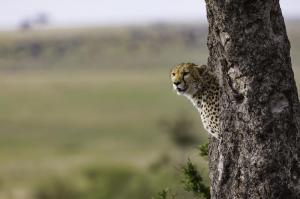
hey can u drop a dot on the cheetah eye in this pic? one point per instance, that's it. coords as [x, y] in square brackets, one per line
[185, 73]
[173, 74]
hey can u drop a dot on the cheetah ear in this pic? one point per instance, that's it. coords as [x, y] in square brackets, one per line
[201, 69]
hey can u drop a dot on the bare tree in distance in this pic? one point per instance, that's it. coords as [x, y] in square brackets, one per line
[39, 20]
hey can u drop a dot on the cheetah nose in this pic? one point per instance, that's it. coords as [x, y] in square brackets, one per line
[176, 83]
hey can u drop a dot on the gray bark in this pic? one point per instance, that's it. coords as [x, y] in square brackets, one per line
[258, 155]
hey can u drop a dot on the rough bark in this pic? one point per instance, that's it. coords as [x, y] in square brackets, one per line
[258, 155]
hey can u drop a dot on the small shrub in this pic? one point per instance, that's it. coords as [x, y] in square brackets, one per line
[165, 194]
[193, 182]
[203, 149]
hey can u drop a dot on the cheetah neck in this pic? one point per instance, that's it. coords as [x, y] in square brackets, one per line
[206, 94]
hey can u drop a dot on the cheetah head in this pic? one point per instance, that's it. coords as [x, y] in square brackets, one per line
[185, 78]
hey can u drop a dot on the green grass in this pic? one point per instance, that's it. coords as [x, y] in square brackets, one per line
[59, 122]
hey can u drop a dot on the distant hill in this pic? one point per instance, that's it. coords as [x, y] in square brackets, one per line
[144, 47]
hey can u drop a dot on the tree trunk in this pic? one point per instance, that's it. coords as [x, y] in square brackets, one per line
[258, 154]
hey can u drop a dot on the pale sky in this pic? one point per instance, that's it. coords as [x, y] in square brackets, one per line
[106, 12]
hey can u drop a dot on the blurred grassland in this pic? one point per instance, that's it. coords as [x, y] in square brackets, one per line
[57, 123]
[81, 110]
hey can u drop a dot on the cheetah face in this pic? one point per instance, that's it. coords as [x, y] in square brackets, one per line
[184, 78]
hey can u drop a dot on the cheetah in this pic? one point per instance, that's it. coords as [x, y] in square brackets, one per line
[201, 87]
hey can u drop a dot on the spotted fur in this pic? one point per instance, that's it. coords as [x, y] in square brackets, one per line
[201, 87]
